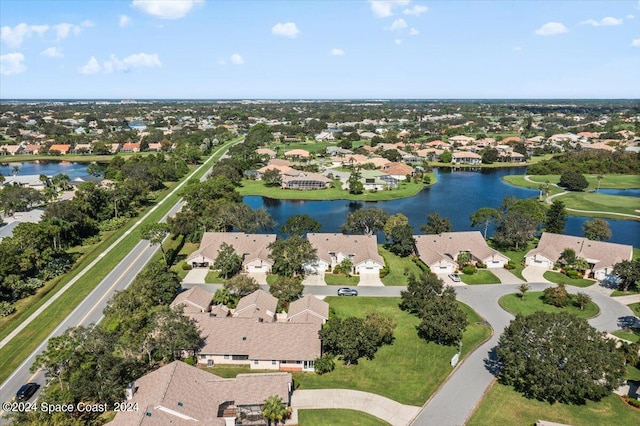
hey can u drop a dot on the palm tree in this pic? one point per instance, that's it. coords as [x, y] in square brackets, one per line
[15, 170]
[274, 409]
[599, 177]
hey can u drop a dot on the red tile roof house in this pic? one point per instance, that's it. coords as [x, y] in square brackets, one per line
[600, 255]
[398, 170]
[440, 252]
[131, 147]
[251, 247]
[59, 148]
[180, 394]
[11, 149]
[332, 249]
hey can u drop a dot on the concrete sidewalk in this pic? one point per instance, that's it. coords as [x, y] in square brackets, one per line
[384, 408]
[627, 300]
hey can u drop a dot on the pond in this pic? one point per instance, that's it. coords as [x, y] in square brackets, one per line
[46, 167]
[456, 196]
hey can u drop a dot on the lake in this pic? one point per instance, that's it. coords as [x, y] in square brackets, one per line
[45, 167]
[456, 195]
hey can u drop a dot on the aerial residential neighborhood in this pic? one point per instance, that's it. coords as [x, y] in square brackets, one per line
[399, 213]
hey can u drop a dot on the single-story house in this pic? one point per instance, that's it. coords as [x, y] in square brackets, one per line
[462, 140]
[131, 147]
[297, 153]
[180, 394]
[253, 248]
[466, 157]
[440, 251]
[308, 309]
[332, 249]
[377, 180]
[398, 170]
[296, 179]
[60, 148]
[11, 149]
[600, 255]
[266, 151]
[259, 305]
[264, 345]
[193, 300]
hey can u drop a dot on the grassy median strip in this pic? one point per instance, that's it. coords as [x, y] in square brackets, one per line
[534, 302]
[19, 348]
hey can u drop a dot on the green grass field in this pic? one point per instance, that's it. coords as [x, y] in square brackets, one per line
[337, 417]
[559, 277]
[607, 182]
[517, 258]
[257, 187]
[482, 276]
[340, 279]
[504, 406]
[532, 302]
[632, 336]
[399, 267]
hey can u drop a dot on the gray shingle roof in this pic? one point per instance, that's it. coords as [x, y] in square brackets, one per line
[247, 246]
[446, 246]
[362, 247]
[194, 300]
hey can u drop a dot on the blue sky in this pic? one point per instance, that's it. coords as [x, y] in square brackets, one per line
[209, 49]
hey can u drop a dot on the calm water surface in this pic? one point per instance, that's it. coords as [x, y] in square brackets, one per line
[456, 195]
[46, 167]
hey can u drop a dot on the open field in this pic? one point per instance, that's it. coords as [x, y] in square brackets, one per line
[504, 406]
[532, 302]
[337, 417]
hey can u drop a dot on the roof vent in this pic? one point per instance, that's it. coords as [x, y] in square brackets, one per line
[180, 404]
[244, 338]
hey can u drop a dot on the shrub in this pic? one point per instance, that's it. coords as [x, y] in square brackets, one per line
[6, 309]
[112, 224]
[571, 273]
[509, 265]
[185, 266]
[631, 401]
[468, 270]
[191, 360]
[556, 296]
[420, 264]
[384, 272]
[481, 265]
[324, 364]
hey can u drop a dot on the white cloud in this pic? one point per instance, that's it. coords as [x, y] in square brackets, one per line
[165, 9]
[398, 24]
[12, 63]
[398, 41]
[604, 22]
[630, 16]
[635, 42]
[518, 48]
[52, 52]
[384, 9]
[114, 64]
[64, 30]
[416, 10]
[124, 21]
[288, 29]
[551, 28]
[87, 24]
[237, 59]
[414, 32]
[91, 67]
[336, 52]
[13, 37]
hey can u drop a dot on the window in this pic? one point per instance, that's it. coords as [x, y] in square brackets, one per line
[256, 362]
[274, 362]
[227, 356]
[239, 357]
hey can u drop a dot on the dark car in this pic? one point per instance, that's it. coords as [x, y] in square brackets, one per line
[26, 391]
[346, 291]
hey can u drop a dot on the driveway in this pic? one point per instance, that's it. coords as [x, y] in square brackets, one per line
[384, 408]
[505, 276]
[534, 274]
[314, 279]
[371, 279]
[196, 276]
[260, 277]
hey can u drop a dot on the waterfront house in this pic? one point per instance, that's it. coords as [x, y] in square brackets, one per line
[252, 248]
[332, 249]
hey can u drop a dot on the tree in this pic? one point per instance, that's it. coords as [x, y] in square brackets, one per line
[446, 157]
[365, 221]
[223, 296]
[556, 296]
[401, 241]
[392, 222]
[241, 285]
[300, 224]
[274, 409]
[155, 233]
[484, 216]
[464, 258]
[628, 271]
[599, 177]
[519, 222]
[228, 261]
[286, 289]
[442, 320]
[582, 300]
[568, 257]
[558, 357]
[324, 364]
[272, 177]
[355, 186]
[556, 218]
[573, 181]
[436, 224]
[291, 255]
[345, 267]
[523, 288]
[490, 155]
[596, 229]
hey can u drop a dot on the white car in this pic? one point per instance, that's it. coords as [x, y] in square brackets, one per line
[455, 278]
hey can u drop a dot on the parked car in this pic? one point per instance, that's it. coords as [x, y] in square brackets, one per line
[346, 291]
[455, 278]
[26, 391]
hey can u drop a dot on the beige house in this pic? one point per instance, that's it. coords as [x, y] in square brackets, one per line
[297, 153]
[466, 157]
[180, 394]
[259, 305]
[195, 300]
[309, 309]
[332, 249]
[253, 248]
[440, 251]
[600, 256]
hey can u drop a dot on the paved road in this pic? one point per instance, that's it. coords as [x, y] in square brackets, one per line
[89, 311]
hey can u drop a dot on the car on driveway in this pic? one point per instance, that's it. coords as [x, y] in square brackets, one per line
[455, 278]
[26, 391]
[346, 291]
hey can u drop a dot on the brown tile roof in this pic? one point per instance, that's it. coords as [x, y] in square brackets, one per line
[308, 309]
[258, 304]
[258, 340]
[194, 300]
[362, 247]
[181, 394]
[248, 246]
[446, 246]
[397, 169]
[62, 148]
[600, 253]
[466, 154]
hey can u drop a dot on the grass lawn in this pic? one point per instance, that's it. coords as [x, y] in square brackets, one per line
[635, 307]
[397, 266]
[504, 406]
[591, 201]
[608, 182]
[257, 187]
[409, 370]
[632, 336]
[213, 277]
[337, 417]
[632, 373]
[559, 277]
[517, 258]
[482, 276]
[533, 303]
[340, 279]
[625, 293]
